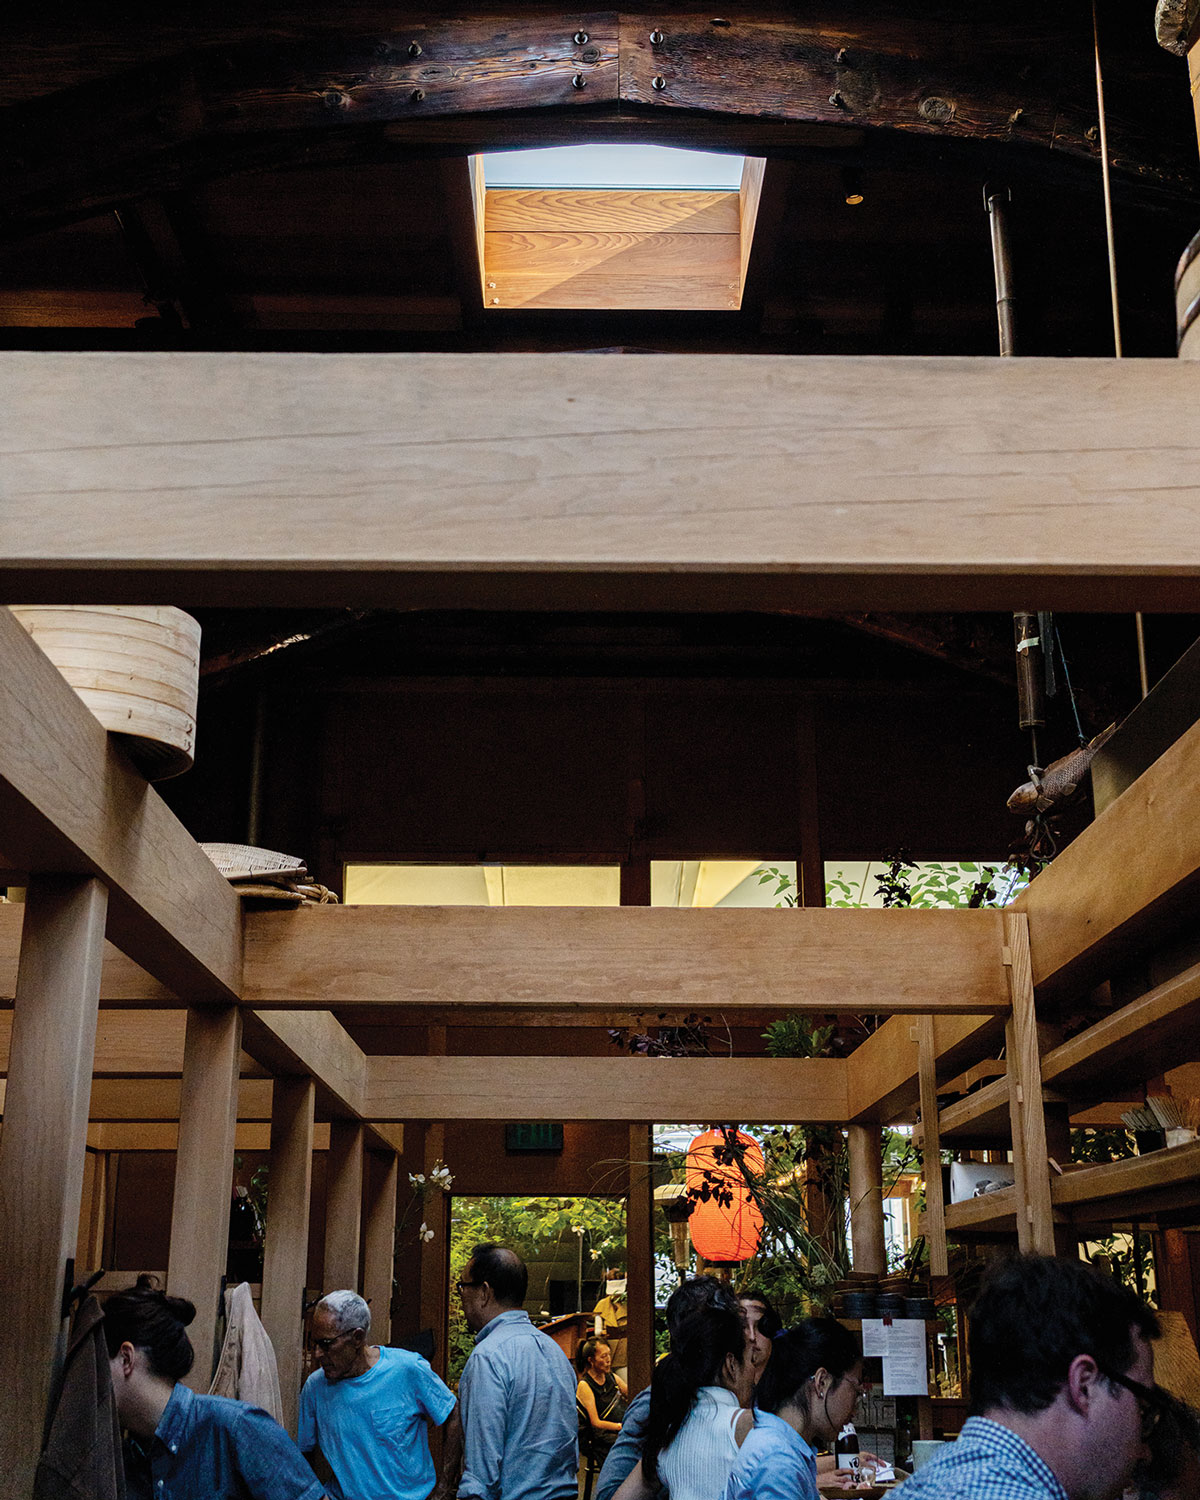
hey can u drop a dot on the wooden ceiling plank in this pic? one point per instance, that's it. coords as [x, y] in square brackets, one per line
[610, 211]
[742, 482]
[70, 803]
[611, 1089]
[587, 959]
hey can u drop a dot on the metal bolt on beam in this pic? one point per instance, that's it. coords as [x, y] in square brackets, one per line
[581, 38]
[658, 82]
[417, 95]
[836, 100]
[657, 38]
[579, 81]
[414, 49]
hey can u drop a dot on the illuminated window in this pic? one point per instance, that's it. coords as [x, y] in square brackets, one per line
[482, 885]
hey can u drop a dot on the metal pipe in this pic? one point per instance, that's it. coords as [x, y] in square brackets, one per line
[996, 201]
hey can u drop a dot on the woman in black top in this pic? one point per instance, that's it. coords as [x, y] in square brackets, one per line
[599, 1398]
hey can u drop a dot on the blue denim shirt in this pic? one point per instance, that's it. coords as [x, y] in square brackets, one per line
[775, 1464]
[987, 1462]
[207, 1446]
[517, 1398]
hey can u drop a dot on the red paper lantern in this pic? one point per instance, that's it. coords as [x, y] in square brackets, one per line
[723, 1231]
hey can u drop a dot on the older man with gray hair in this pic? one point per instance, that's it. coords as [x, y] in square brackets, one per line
[367, 1407]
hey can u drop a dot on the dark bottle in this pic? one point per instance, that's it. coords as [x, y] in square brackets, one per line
[845, 1450]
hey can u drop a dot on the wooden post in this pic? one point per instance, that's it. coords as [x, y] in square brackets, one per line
[1035, 1212]
[379, 1242]
[204, 1174]
[931, 1154]
[639, 1256]
[343, 1206]
[867, 1239]
[285, 1262]
[435, 1253]
[89, 1249]
[42, 1147]
[810, 866]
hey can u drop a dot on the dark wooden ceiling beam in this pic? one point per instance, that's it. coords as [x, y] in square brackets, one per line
[250, 104]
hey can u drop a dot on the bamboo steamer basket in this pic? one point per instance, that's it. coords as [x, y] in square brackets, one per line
[1187, 301]
[136, 667]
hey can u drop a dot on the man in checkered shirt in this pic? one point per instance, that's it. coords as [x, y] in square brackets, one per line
[1062, 1379]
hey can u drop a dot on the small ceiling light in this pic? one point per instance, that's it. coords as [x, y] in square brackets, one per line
[852, 187]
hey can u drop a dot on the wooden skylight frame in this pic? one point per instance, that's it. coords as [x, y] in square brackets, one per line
[587, 249]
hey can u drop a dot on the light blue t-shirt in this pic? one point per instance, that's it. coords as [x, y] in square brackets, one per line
[371, 1428]
[775, 1463]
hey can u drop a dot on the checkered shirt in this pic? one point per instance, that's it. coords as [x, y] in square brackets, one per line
[987, 1462]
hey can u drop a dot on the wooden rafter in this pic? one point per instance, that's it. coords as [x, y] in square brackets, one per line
[229, 100]
[535, 480]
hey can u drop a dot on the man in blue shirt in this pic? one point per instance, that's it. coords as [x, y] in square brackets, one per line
[1062, 1383]
[517, 1393]
[367, 1407]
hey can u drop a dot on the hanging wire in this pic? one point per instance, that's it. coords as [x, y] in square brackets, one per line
[1138, 623]
[1062, 656]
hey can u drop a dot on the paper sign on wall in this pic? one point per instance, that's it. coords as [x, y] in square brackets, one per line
[900, 1343]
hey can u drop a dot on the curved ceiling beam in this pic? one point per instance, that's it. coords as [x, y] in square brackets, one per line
[444, 83]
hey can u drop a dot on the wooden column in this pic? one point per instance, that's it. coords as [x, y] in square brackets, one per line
[42, 1146]
[810, 866]
[89, 1247]
[639, 1256]
[435, 1253]
[343, 1206]
[931, 1154]
[1035, 1212]
[204, 1174]
[285, 1262]
[867, 1240]
[379, 1242]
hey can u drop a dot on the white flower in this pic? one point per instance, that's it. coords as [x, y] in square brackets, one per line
[425, 1232]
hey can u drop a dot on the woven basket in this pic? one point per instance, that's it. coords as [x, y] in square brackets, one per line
[137, 668]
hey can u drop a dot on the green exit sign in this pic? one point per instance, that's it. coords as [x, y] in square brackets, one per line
[544, 1138]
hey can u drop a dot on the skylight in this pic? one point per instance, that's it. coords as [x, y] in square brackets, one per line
[613, 167]
[595, 227]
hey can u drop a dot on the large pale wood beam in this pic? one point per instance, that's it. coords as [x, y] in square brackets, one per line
[204, 1174]
[931, 1156]
[70, 803]
[1035, 1214]
[633, 1089]
[540, 480]
[42, 1151]
[1130, 875]
[285, 1259]
[590, 958]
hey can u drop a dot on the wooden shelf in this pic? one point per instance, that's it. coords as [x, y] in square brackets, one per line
[1138, 1187]
[1129, 1044]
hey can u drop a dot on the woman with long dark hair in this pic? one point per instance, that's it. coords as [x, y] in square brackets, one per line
[805, 1397]
[699, 1408]
[183, 1444]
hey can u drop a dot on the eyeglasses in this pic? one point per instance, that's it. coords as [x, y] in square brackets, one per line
[461, 1286]
[325, 1345]
[1151, 1399]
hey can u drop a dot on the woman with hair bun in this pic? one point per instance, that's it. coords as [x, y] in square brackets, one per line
[806, 1395]
[699, 1401]
[183, 1446]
